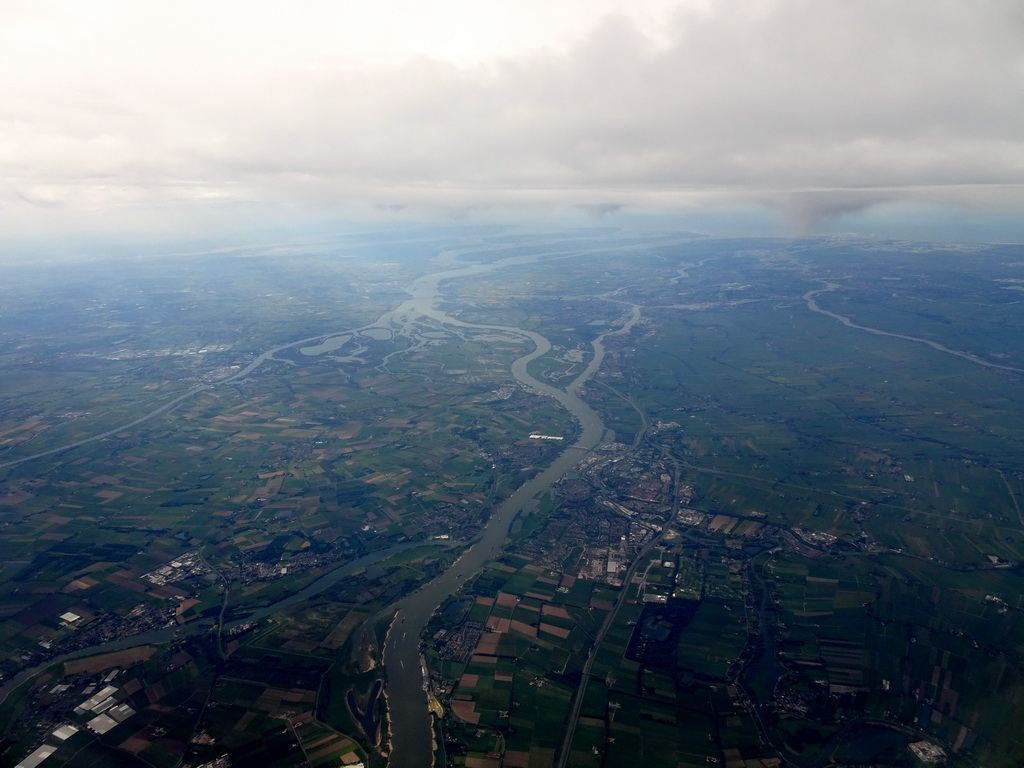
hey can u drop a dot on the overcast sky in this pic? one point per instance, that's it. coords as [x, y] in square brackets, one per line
[128, 116]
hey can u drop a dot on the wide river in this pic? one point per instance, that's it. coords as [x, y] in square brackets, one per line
[410, 718]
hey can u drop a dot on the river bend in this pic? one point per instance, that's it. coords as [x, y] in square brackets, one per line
[409, 718]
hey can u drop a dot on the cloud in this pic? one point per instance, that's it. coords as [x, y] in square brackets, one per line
[812, 109]
[600, 210]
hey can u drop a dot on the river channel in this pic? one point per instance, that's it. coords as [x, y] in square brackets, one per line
[410, 720]
[418, 319]
[167, 634]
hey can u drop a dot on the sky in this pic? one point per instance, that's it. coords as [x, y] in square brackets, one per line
[121, 118]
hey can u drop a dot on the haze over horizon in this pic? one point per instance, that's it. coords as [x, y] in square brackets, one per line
[548, 384]
[189, 119]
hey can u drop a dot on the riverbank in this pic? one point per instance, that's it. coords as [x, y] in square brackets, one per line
[409, 716]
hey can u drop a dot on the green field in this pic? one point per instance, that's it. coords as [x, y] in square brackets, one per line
[808, 511]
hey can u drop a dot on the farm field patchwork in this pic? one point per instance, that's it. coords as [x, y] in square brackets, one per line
[799, 539]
